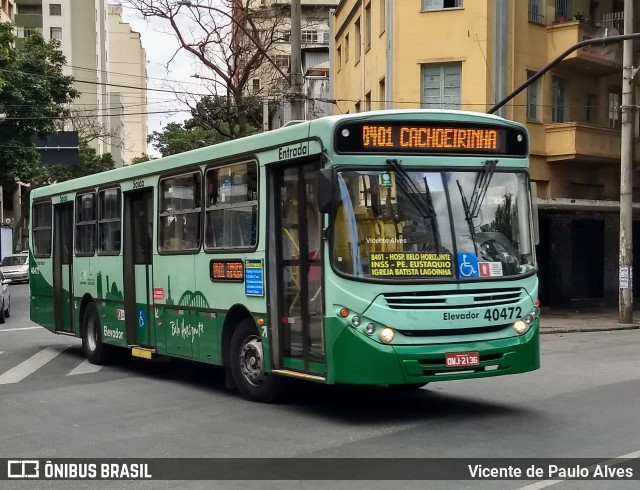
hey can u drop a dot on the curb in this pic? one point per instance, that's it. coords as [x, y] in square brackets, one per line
[552, 330]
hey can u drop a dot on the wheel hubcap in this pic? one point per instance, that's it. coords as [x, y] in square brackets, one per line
[252, 361]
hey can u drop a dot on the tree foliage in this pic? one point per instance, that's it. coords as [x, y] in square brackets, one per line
[142, 158]
[211, 123]
[90, 163]
[33, 94]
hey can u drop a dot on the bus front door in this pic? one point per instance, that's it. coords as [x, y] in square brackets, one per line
[138, 255]
[297, 270]
[63, 267]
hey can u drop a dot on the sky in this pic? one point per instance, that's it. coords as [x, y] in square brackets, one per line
[160, 47]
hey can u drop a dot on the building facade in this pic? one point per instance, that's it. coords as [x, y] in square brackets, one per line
[7, 10]
[469, 55]
[315, 40]
[128, 74]
[84, 29]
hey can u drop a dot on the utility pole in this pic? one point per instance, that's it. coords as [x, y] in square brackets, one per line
[297, 112]
[626, 176]
[265, 115]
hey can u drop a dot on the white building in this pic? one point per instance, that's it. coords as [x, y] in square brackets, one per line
[84, 29]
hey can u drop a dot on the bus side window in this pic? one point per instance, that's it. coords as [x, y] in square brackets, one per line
[232, 206]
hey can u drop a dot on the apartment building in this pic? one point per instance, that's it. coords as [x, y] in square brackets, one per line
[315, 39]
[7, 10]
[128, 74]
[83, 28]
[469, 54]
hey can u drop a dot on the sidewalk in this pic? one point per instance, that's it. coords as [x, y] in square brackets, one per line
[567, 321]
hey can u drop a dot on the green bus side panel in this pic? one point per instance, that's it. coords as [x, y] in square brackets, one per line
[161, 330]
[178, 325]
[208, 337]
[142, 324]
[41, 290]
[112, 322]
[358, 359]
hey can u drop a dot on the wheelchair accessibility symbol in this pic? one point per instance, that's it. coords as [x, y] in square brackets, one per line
[141, 319]
[468, 265]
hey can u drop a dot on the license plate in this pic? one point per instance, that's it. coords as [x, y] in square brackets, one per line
[462, 359]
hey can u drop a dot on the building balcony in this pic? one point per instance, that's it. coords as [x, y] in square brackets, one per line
[595, 60]
[586, 143]
[28, 20]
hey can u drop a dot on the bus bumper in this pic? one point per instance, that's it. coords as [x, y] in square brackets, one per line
[358, 359]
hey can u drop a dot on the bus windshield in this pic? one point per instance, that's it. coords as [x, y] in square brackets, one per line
[401, 223]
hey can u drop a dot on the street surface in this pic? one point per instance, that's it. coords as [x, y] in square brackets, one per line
[583, 402]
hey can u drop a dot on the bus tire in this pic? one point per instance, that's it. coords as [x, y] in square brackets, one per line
[246, 359]
[2, 313]
[94, 350]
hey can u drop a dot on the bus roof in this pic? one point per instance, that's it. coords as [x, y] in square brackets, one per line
[319, 128]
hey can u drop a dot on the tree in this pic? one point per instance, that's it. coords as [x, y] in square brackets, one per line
[33, 94]
[235, 41]
[142, 158]
[221, 115]
[176, 138]
[90, 163]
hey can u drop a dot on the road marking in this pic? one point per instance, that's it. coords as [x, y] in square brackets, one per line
[85, 367]
[14, 329]
[611, 462]
[31, 365]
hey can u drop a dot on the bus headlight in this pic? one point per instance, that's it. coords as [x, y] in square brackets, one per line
[370, 329]
[387, 334]
[356, 321]
[519, 326]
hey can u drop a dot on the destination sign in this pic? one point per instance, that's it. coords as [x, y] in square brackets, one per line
[410, 264]
[360, 137]
[227, 270]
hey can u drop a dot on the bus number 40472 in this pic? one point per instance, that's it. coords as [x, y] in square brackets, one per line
[509, 313]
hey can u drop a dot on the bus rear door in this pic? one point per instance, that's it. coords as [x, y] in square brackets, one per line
[138, 255]
[63, 267]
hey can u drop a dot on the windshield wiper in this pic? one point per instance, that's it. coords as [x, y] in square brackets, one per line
[482, 184]
[424, 207]
[472, 207]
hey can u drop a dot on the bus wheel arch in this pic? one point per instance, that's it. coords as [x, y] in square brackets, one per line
[94, 349]
[236, 314]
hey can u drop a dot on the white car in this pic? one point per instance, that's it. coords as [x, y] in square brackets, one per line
[16, 267]
[5, 298]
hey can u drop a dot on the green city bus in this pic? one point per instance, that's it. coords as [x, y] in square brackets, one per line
[381, 248]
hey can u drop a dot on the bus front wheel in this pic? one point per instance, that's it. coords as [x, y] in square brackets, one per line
[94, 350]
[247, 362]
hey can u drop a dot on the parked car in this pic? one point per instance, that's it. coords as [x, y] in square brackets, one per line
[16, 267]
[5, 298]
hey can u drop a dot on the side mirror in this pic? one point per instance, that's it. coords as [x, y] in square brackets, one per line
[326, 194]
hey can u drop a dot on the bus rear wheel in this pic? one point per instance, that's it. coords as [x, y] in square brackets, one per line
[94, 350]
[247, 362]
